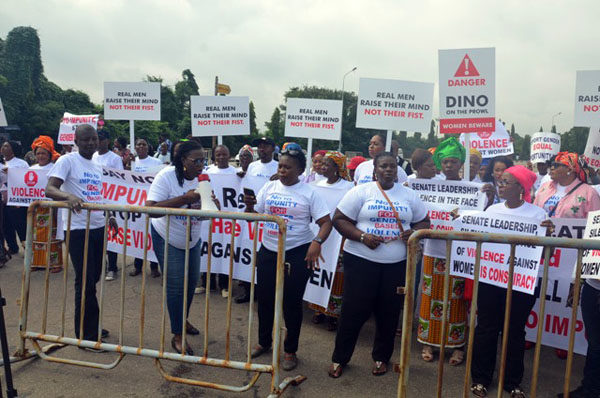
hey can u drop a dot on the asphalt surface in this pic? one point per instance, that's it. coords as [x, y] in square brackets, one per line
[138, 376]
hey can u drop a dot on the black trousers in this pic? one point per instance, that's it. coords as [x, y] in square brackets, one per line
[295, 278]
[223, 281]
[590, 310]
[491, 302]
[94, 269]
[369, 287]
[14, 223]
[112, 261]
[138, 263]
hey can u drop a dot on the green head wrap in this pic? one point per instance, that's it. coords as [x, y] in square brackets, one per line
[449, 148]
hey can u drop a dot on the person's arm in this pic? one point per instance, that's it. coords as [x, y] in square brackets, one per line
[313, 254]
[347, 228]
[490, 191]
[179, 201]
[53, 192]
[423, 224]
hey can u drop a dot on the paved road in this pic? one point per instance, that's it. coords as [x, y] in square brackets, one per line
[138, 377]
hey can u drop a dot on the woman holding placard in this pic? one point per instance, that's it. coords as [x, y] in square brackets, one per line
[449, 157]
[376, 218]
[298, 203]
[337, 183]
[514, 188]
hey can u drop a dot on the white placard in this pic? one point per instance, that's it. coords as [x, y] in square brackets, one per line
[491, 144]
[495, 256]
[131, 100]
[467, 90]
[313, 118]
[544, 146]
[591, 258]
[68, 124]
[465, 195]
[25, 186]
[592, 149]
[3, 122]
[386, 104]
[220, 115]
[587, 98]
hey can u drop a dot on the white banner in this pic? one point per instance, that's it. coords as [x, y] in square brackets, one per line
[313, 118]
[131, 100]
[464, 195]
[495, 256]
[587, 98]
[544, 146]
[491, 144]
[386, 104]
[467, 90]
[26, 186]
[219, 115]
[559, 295]
[123, 187]
[3, 122]
[68, 124]
[591, 258]
[592, 149]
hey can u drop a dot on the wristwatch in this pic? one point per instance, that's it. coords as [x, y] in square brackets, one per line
[318, 240]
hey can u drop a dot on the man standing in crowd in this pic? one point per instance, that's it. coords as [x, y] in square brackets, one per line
[81, 181]
[107, 158]
[265, 166]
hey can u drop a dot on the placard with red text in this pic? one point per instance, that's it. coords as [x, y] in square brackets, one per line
[313, 118]
[131, 100]
[219, 115]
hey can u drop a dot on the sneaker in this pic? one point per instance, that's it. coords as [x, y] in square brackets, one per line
[200, 290]
[224, 293]
[110, 276]
[290, 361]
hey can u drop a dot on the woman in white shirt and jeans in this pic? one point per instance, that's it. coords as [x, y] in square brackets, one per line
[374, 259]
[298, 203]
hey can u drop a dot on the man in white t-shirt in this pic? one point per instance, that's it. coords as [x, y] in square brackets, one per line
[81, 181]
[265, 166]
[110, 160]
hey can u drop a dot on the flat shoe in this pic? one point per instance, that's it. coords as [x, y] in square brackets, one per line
[427, 353]
[155, 273]
[188, 350]
[457, 357]
[191, 330]
[135, 272]
[335, 370]
[479, 390]
[258, 350]
[290, 361]
[379, 368]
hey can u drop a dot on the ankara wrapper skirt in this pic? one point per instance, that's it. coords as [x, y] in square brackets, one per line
[432, 300]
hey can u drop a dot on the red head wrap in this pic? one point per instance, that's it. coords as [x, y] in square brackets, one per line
[525, 177]
[45, 142]
[574, 162]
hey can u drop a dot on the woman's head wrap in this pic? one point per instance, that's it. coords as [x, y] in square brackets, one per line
[45, 142]
[321, 152]
[449, 148]
[525, 177]
[475, 152]
[246, 148]
[340, 161]
[355, 161]
[575, 163]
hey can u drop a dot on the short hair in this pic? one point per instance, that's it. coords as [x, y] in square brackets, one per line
[419, 157]
[84, 128]
[383, 154]
[16, 148]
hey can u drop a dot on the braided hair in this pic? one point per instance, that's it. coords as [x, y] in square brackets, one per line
[183, 149]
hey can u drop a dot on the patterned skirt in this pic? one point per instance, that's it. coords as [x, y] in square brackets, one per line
[432, 300]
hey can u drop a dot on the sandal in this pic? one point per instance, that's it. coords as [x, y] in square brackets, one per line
[479, 390]
[379, 369]
[427, 353]
[335, 370]
[517, 393]
[458, 356]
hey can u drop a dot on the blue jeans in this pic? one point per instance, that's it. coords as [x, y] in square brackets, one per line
[175, 277]
[590, 310]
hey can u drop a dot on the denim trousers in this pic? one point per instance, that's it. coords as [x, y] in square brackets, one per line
[175, 277]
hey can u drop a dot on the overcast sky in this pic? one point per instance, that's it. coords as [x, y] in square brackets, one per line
[262, 47]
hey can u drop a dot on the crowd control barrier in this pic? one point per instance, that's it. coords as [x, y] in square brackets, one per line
[549, 243]
[36, 337]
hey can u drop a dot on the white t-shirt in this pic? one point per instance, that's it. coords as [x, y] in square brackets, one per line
[165, 186]
[538, 181]
[163, 158]
[46, 167]
[297, 204]
[214, 169]
[336, 192]
[551, 203]
[16, 163]
[260, 169]
[526, 210]
[109, 160]
[364, 173]
[545, 179]
[82, 178]
[146, 165]
[366, 205]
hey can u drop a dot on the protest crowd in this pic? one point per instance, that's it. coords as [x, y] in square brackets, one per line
[371, 205]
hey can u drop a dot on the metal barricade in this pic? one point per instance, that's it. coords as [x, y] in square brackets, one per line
[548, 243]
[158, 353]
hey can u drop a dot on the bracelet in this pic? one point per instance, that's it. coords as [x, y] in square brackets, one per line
[362, 238]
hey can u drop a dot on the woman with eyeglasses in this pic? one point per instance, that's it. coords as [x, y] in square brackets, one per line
[376, 218]
[174, 187]
[298, 204]
[514, 188]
